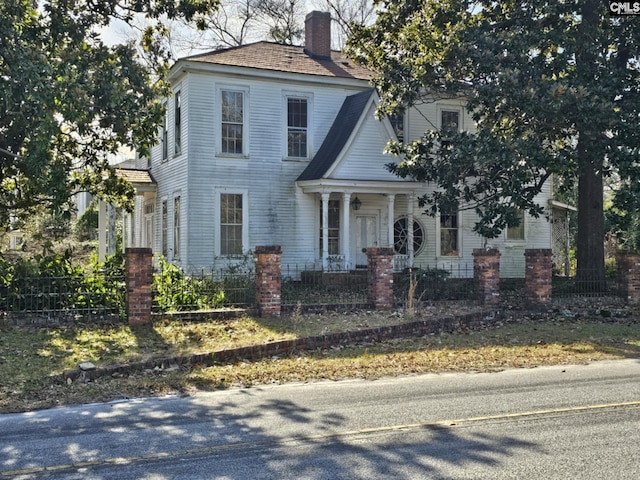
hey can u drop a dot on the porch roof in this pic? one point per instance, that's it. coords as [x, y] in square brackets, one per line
[329, 185]
[141, 179]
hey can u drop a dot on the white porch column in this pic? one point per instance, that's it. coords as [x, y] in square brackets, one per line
[126, 231]
[325, 230]
[390, 215]
[111, 230]
[102, 231]
[346, 203]
[410, 230]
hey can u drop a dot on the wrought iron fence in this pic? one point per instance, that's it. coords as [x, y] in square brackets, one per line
[434, 283]
[174, 290]
[88, 293]
[310, 285]
[587, 284]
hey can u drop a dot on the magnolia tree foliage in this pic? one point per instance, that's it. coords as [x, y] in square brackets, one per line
[68, 100]
[553, 87]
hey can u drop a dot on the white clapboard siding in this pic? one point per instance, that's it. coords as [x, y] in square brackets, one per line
[279, 212]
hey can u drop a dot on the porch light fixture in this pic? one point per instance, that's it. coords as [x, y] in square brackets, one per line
[356, 203]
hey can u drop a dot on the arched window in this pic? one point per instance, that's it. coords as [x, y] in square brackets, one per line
[401, 236]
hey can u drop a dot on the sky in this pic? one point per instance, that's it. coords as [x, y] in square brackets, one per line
[118, 32]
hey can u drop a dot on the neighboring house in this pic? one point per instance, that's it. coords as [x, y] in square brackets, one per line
[268, 144]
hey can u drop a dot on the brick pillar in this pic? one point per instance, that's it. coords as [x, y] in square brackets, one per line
[380, 277]
[269, 280]
[538, 274]
[139, 297]
[486, 273]
[628, 271]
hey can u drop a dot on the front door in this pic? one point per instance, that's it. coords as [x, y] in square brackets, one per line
[366, 235]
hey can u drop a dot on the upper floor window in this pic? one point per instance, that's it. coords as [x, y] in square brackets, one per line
[450, 120]
[297, 127]
[232, 122]
[449, 124]
[449, 238]
[177, 115]
[164, 140]
[397, 122]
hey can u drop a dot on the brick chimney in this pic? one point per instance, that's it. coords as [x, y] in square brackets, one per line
[317, 33]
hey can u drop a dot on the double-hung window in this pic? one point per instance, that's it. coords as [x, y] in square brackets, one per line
[165, 243]
[176, 227]
[397, 122]
[177, 117]
[232, 223]
[449, 238]
[333, 227]
[232, 122]
[449, 125]
[297, 127]
[517, 233]
[164, 140]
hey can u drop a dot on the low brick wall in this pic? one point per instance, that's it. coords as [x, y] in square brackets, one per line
[468, 321]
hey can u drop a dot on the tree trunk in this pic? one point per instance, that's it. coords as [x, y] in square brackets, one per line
[590, 241]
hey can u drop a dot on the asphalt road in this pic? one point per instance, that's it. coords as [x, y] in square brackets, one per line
[568, 422]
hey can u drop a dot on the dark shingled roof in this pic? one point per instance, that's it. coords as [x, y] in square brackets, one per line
[283, 58]
[336, 139]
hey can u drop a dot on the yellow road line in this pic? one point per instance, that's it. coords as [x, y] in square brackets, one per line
[363, 431]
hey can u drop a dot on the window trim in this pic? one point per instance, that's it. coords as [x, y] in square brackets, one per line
[218, 192]
[286, 95]
[245, 120]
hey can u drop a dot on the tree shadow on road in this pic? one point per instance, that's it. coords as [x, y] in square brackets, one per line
[239, 435]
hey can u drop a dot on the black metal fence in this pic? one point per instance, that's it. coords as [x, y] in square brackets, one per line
[434, 283]
[309, 285]
[103, 292]
[175, 290]
[93, 293]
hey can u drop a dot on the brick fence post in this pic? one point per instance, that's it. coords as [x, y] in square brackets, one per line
[380, 277]
[538, 275]
[486, 274]
[269, 280]
[628, 273]
[139, 280]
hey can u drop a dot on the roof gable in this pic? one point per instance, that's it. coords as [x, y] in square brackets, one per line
[343, 127]
[346, 152]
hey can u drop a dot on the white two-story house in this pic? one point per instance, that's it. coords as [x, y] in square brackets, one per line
[269, 144]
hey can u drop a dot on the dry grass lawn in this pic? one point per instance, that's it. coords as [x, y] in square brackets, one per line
[29, 355]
